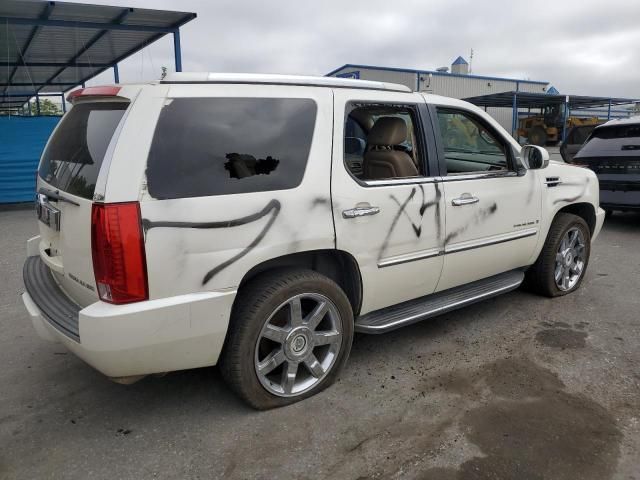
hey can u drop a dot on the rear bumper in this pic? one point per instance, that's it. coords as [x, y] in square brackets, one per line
[174, 333]
[620, 199]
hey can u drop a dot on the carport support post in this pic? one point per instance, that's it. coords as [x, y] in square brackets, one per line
[176, 50]
[29, 105]
[609, 111]
[514, 120]
[565, 117]
[116, 74]
[64, 105]
[37, 104]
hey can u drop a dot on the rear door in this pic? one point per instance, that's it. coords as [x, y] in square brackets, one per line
[75, 160]
[392, 225]
[492, 204]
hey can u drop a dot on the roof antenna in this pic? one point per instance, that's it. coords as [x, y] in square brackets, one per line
[471, 61]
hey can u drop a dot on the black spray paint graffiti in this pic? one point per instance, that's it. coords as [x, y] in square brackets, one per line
[417, 229]
[318, 201]
[272, 208]
[532, 188]
[480, 216]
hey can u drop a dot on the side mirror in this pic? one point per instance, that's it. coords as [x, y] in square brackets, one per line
[534, 157]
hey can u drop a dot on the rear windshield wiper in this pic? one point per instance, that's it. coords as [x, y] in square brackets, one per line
[56, 196]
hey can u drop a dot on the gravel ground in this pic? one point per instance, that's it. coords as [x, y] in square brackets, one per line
[517, 387]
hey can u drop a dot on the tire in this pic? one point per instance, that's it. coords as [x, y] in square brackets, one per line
[253, 347]
[541, 276]
[537, 136]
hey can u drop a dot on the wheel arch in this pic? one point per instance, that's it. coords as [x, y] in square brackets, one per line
[338, 265]
[584, 210]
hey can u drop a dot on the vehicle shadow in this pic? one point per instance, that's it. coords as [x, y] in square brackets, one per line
[623, 222]
[202, 393]
[204, 389]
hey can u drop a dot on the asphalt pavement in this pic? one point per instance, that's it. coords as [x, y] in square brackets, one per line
[518, 387]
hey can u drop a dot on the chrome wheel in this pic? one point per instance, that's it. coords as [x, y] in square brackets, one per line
[570, 259]
[298, 345]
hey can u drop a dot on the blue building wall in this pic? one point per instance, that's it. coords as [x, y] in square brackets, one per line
[22, 140]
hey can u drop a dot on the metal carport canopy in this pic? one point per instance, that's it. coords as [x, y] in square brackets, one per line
[48, 46]
[537, 100]
[517, 100]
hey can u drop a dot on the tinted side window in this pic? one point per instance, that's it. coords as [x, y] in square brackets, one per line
[220, 146]
[469, 146]
[73, 157]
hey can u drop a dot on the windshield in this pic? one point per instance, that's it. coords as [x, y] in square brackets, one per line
[72, 160]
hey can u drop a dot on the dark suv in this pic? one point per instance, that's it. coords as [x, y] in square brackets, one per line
[612, 151]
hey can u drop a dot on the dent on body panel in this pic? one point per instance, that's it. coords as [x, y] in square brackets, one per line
[583, 185]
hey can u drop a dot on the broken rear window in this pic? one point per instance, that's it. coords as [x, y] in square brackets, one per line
[221, 146]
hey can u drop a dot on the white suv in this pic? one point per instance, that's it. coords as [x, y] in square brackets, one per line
[257, 221]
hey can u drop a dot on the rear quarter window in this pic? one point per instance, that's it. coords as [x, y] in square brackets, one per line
[221, 146]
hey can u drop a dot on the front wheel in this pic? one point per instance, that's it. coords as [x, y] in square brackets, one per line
[563, 260]
[290, 334]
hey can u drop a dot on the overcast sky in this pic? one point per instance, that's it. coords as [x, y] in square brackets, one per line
[579, 46]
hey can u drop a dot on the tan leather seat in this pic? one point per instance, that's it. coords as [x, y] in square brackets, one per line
[381, 160]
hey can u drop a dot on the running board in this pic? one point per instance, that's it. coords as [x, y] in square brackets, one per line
[406, 313]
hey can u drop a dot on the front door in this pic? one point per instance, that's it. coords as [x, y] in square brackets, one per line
[388, 211]
[492, 206]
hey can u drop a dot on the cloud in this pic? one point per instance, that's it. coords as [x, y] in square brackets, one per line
[581, 47]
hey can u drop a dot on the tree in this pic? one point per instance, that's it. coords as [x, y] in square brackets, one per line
[47, 107]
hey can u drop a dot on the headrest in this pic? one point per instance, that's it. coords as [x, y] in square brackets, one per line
[354, 146]
[388, 131]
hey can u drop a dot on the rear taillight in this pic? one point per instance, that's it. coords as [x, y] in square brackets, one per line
[117, 247]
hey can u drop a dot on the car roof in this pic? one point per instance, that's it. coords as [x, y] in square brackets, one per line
[621, 121]
[271, 79]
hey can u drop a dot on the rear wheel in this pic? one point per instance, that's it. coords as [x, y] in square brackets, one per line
[563, 261]
[537, 136]
[290, 334]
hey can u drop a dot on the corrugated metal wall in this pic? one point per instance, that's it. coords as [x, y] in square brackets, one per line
[22, 140]
[463, 87]
[451, 86]
[403, 78]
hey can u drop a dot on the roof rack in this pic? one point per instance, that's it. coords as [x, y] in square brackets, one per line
[270, 79]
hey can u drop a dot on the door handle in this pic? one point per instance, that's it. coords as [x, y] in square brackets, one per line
[360, 212]
[464, 199]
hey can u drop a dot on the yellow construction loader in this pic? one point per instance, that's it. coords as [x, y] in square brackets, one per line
[546, 128]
